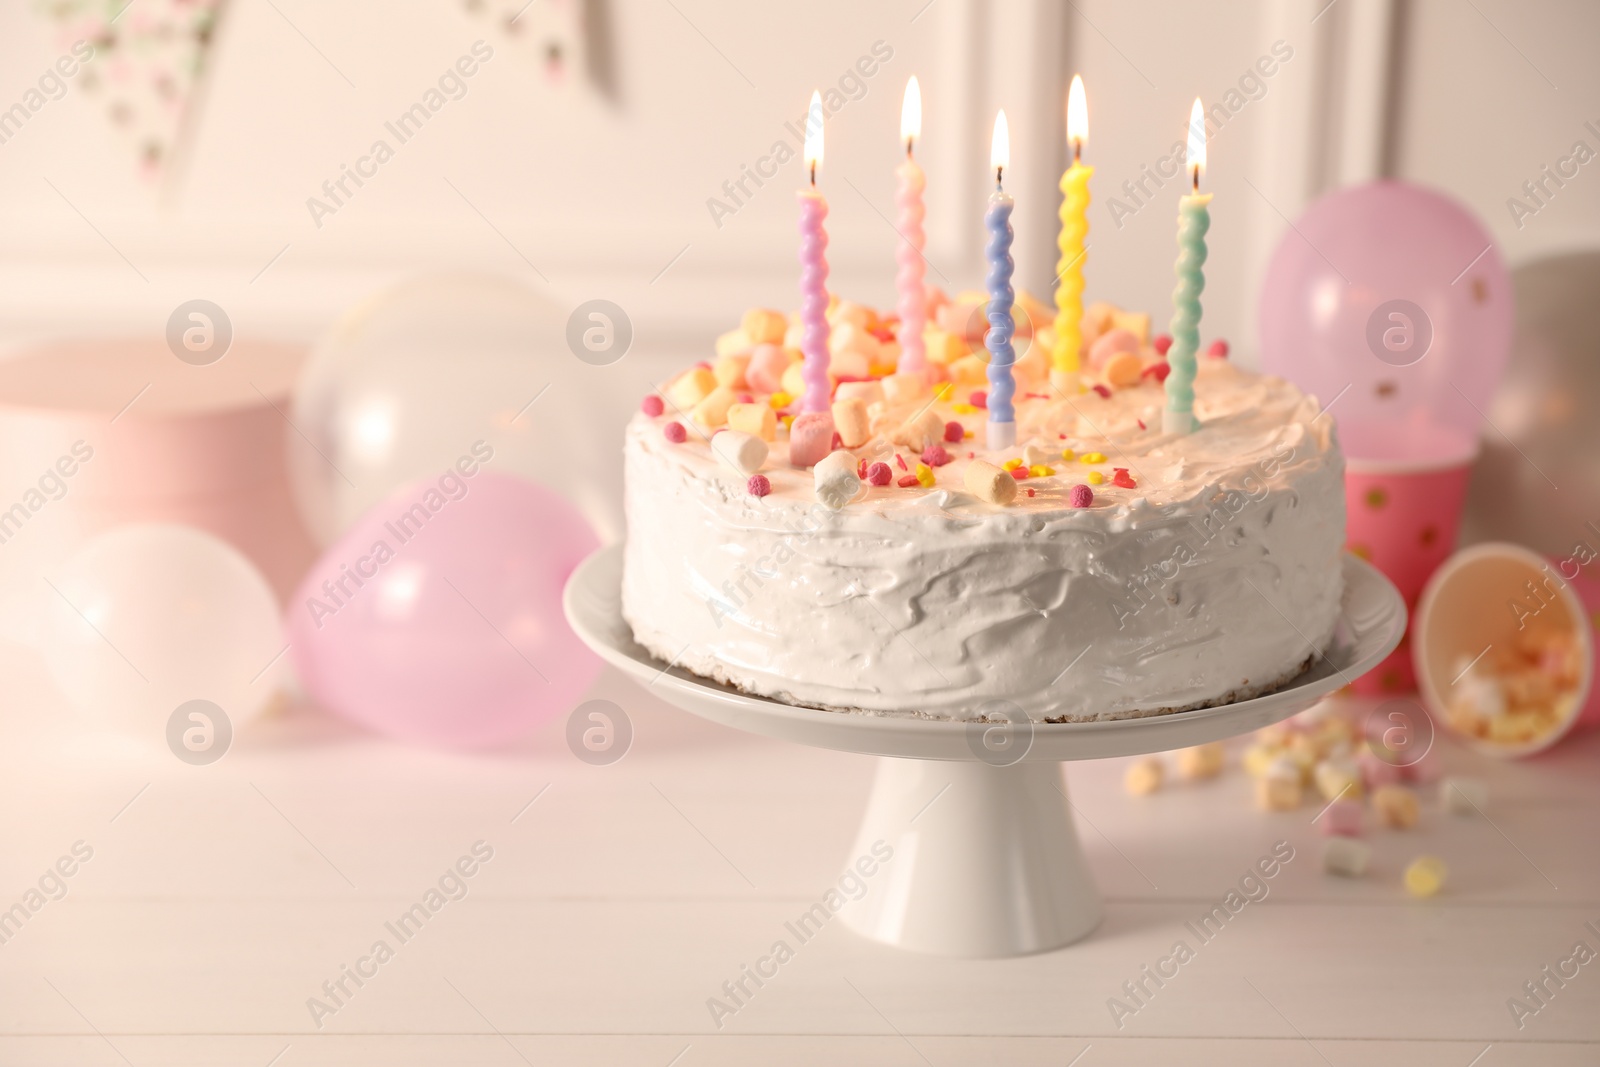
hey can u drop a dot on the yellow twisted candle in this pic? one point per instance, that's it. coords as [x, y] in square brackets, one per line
[1068, 330]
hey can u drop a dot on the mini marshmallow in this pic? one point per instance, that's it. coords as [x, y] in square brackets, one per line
[1338, 778]
[836, 480]
[921, 430]
[905, 388]
[1376, 771]
[1277, 793]
[989, 483]
[1395, 806]
[1135, 322]
[1463, 796]
[730, 370]
[1257, 758]
[743, 452]
[1122, 371]
[943, 348]
[1109, 344]
[1201, 761]
[1346, 856]
[765, 371]
[690, 387]
[764, 326]
[848, 363]
[848, 337]
[756, 419]
[1285, 768]
[1425, 876]
[1144, 776]
[734, 343]
[851, 422]
[1342, 818]
[851, 312]
[810, 438]
[712, 411]
[869, 393]
[794, 381]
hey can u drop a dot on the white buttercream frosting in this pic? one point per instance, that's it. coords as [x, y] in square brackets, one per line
[1216, 577]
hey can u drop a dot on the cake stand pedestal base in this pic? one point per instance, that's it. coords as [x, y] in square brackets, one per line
[985, 860]
[979, 853]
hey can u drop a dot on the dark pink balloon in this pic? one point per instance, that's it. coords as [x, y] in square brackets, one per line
[1394, 299]
[437, 617]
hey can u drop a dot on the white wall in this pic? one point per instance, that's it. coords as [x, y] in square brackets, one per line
[600, 193]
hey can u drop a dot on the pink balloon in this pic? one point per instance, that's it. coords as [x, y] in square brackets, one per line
[437, 617]
[1398, 293]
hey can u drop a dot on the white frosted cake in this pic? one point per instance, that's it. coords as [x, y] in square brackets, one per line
[1132, 572]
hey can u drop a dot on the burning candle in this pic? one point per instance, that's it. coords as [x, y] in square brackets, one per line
[1066, 352]
[1002, 419]
[1194, 219]
[814, 271]
[908, 197]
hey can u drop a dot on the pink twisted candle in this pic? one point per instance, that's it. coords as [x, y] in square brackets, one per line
[909, 280]
[814, 299]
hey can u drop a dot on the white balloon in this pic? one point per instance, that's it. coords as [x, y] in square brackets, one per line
[146, 618]
[408, 382]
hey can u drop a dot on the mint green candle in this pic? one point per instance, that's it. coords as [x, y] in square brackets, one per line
[1194, 219]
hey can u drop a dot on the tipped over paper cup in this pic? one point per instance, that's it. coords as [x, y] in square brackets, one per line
[1503, 646]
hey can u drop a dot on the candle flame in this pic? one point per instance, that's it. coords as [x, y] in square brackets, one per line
[1000, 148]
[1197, 141]
[911, 112]
[1077, 117]
[814, 133]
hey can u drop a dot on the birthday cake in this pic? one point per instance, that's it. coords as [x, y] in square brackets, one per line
[878, 558]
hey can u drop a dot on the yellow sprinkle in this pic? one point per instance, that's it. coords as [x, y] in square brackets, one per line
[880, 370]
[1095, 477]
[1068, 454]
[1011, 464]
[925, 475]
[787, 420]
[944, 391]
[1039, 470]
[1094, 457]
[779, 400]
[963, 409]
[966, 435]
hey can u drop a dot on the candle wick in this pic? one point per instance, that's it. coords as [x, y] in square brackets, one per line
[997, 173]
[908, 147]
[1195, 170]
[1077, 151]
[814, 173]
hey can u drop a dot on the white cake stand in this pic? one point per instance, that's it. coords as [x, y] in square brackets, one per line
[986, 861]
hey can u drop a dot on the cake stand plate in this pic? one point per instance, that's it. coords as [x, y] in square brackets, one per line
[985, 860]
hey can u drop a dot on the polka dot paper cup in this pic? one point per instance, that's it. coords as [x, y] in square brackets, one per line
[1403, 517]
[1483, 603]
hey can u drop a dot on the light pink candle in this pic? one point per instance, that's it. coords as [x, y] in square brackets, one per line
[908, 197]
[814, 272]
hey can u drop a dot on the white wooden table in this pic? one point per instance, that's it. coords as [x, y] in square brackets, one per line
[619, 898]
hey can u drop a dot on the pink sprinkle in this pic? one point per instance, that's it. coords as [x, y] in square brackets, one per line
[935, 456]
[1158, 371]
[907, 481]
[1061, 436]
[674, 432]
[979, 399]
[1218, 350]
[898, 458]
[1162, 343]
[954, 431]
[1122, 479]
[746, 398]
[861, 469]
[879, 474]
[1019, 473]
[1142, 426]
[972, 455]
[759, 485]
[652, 405]
[1028, 489]
[1081, 496]
[703, 365]
[1102, 390]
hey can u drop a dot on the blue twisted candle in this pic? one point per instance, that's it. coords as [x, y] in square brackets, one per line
[1002, 417]
[1194, 219]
